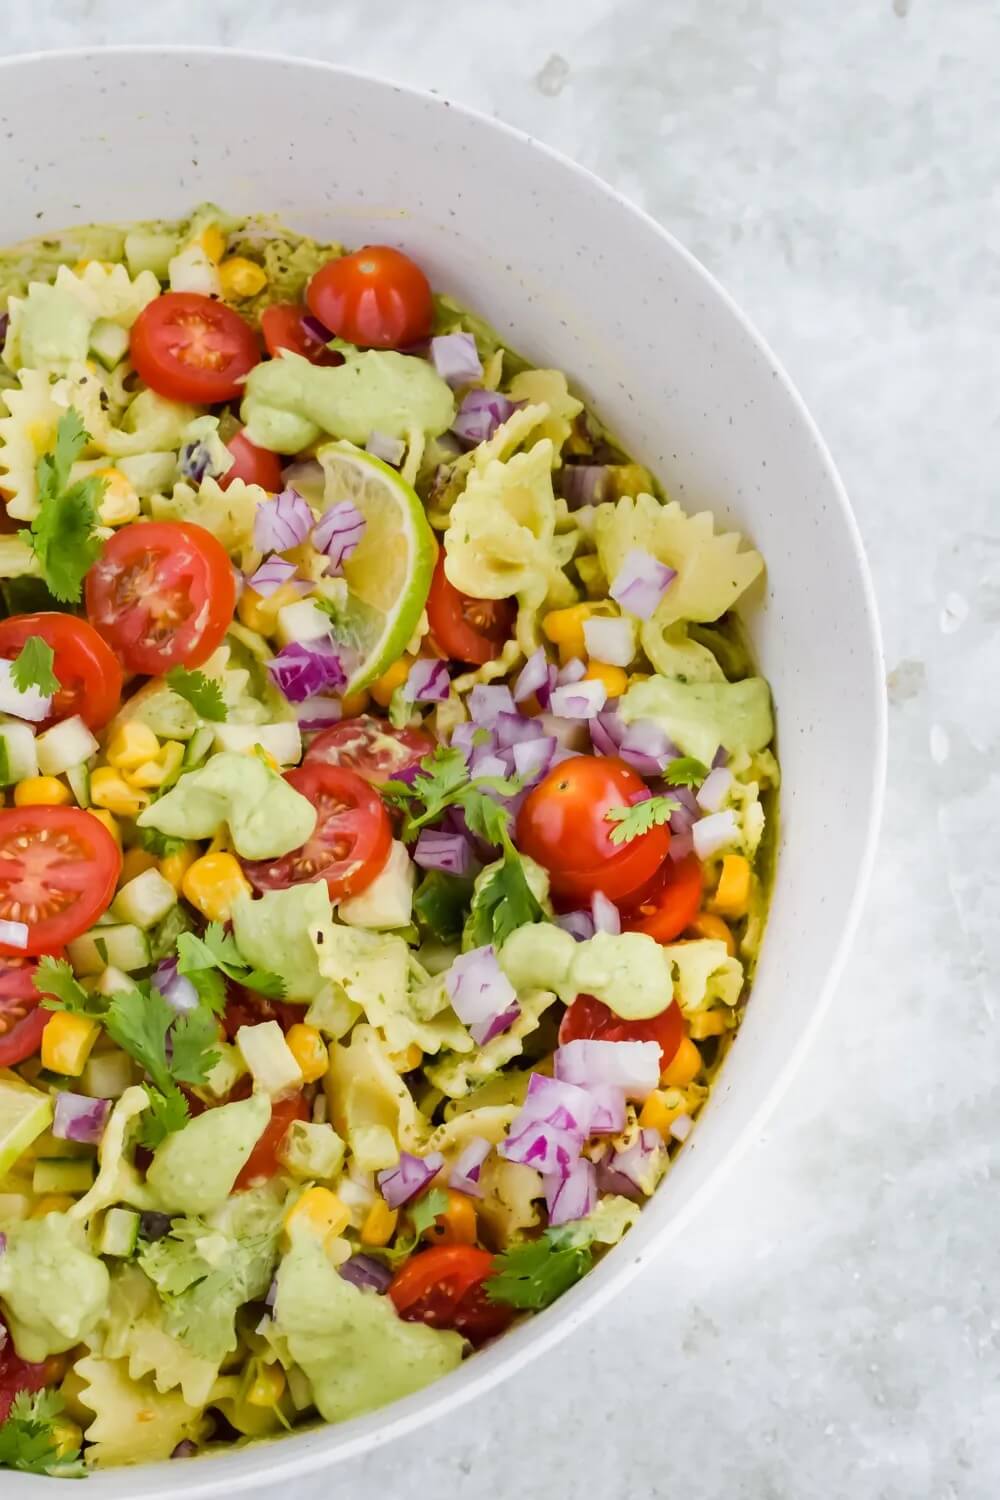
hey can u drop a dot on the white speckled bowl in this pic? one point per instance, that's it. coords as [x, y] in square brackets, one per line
[578, 279]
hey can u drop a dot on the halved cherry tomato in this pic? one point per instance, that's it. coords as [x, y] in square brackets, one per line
[58, 870]
[162, 595]
[252, 464]
[285, 326]
[443, 1287]
[88, 671]
[378, 298]
[671, 902]
[351, 841]
[465, 629]
[18, 1375]
[589, 1018]
[262, 1162]
[563, 824]
[191, 348]
[371, 748]
[249, 1008]
[22, 1019]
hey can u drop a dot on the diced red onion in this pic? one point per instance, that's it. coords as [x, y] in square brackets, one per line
[477, 986]
[536, 676]
[609, 1110]
[366, 1272]
[176, 989]
[272, 1293]
[682, 1127]
[606, 731]
[14, 934]
[640, 583]
[579, 700]
[721, 757]
[579, 924]
[714, 789]
[484, 1031]
[338, 533]
[185, 1449]
[610, 640]
[574, 671]
[456, 358]
[303, 474]
[464, 1175]
[487, 700]
[492, 765]
[513, 729]
[282, 523]
[573, 1196]
[32, 706]
[631, 1066]
[78, 1118]
[681, 819]
[605, 913]
[533, 758]
[714, 833]
[318, 713]
[449, 852]
[427, 682]
[319, 330]
[196, 460]
[272, 574]
[686, 797]
[389, 449]
[409, 1177]
[681, 845]
[545, 1147]
[645, 747]
[480, 414]
[585, 484]
[638, 1167]
[559, 1103]
[300, 671]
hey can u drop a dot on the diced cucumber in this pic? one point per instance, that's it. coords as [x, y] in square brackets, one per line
[193, 271]
[302, 621]
[49, 1147]
[283, 741]
[149, 473]
[14, 1207]
[24, 1113]
[65, 745]
[110, 981]
[79, 783]
[62, 1176]
[227, 1071]
[108, 342]
[310, 1151]
[107, 1075]
[124, 946]
[331, 1012]
[269, 1058]
[198, 747]
[18, 753]
[119, 1232]
[145, 900]
[150, 250]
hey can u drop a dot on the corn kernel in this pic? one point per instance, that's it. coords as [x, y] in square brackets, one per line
[42, 791]
[410, 1058]
[154, 773]
[66, 1436]
[241, 277]
[267, 1387]
[707, 925]
[260, 614]
[732, 894]
[110, 790]
[708, 1023]
[380, 1223]
[213, 883]
[67, 1042]
[131, 745]
[564, 628]
[354, 704]
[120, 501]
[656, 1114]
[107, 821]
[614, 678]
[213, 242]
[383, 689]
[52, 1203]
[309, 1050]
[174, 867]
[320, 1212]
[684, 1066]
[136, 862]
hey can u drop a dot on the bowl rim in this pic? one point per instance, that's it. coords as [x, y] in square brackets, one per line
[323, 1446]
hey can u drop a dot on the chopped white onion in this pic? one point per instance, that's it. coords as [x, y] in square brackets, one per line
[715, 832]
[32, 706]
[641, 583]
[579, 700]
[14, 934]
[610, 640]
[477, 986]
[605, 913]
[714, 789]
[456, 358]
[631, 1066]
[681, 1128]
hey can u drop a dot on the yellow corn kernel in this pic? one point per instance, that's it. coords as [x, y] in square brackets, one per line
[262, 614]
[174, 867]
[380, 1223]
[66, 1436]
[267, 1387]
[354, 704]
[656, 1114]
[67, 1042]
[107, 821]
[213, 242]
[155, 772]
[707, 925]
[42, 791]
[684, 1066]
[120, 501]
[131, 745]
[241, 277]
[634, 677]
[213, 883]
[732, 894]
[383, 689]
[136, 862]
[320, 1212]
[615, 679]
[308, 1048]
[564, 628]
[708, 1023]
[410, 1058]
[109, 789]
[52, 1203]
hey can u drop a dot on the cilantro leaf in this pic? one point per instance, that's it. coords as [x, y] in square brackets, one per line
[441, 903]
[537, 1272]
[29, 1440]
[32, 667]
[55, 982]
[503, 903]
[489, 819]
[203, 693]
[198, 956]
[443, 781]
[193, 1037]
[686, 771]
[63, 533]
[426, 1209]
[641, 817]
[167, 1112]
[139, 1021]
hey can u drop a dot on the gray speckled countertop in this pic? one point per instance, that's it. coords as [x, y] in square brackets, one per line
[829, 1326]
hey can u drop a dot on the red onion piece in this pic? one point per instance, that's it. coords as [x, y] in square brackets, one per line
[717, 831]
[478, 988]
[513, 729]
[305, 475]
[300, 671]
[545, 1147]
[338, 533]
[493, 765]
[389, 449]
[681, 845]
[185, 1449]
[480, 414]
[484, 1031]
[464, 1175]
[573, 1196]
[609, 1110]
[449, 852]
[272, 574]
[579, 924]
[637, 1169]
[532, 676]
[610, 640]
[456, 358]
[605, 913]
[79, 1118]
[631, 1066]
[714, 789]
[318, 712]
[720, 758]
[176, 989]
[282, 523]
[487, 700]
[681, 1128]
[366, 1272]
[640, 583]
[533, 758]
[428, 681]
[585, 484]
[574, 671]
[411, 1174]
[606, 731]
[579, 700]
[645, 747]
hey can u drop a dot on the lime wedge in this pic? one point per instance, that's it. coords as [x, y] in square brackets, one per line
[24, 1114]
[389, 575]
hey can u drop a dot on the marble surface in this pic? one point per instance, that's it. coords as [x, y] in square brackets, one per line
[829, 1325]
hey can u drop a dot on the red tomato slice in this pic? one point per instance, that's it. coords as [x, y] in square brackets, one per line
[58, 870]
[191, 348]
[22, 1019]
[286, 326]
[443, 1287]
[18, 1375]
[563, 824]
[88, 671]
[162, 595]
[378, 298]
[670, 904]
[589, 1018]
[371, 748]
[252, 464]
[465, 629]
[351, 841]
[262, 1162]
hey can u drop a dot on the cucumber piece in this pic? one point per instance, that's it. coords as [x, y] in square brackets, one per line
[18, 753]
[108, 342]
[331, 1012]
[193, 271]
[64, 745]
[149, 473]
[198, 746]
[123, 946]
[49, 1147]
[311, 1152]
[269, 1058]
[79, 783]
[110, 981]
[107, 1075]
[150, 250]
[145, 900]
[227, 1071]
[62, 1176]
[24, 1113]
[302, 621]
[119, 1233]
[283, 741]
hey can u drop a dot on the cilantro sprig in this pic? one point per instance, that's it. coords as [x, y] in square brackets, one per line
[32, 667]
[631, 822]
[685, 771]
[30, 1441]
[535, 1273]
[63, 534]
[443, 781]
[203, 693]
[207, 961]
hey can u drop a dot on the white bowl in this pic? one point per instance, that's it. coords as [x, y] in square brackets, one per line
[574, 277]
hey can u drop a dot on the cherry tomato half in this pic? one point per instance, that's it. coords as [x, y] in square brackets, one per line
[671, 902]
[465, 629]
[563, 824]
[22, 1019]
[349, 845]
[443, 1287]
[284, 326]
[88, 671]
[191, 348]
[162, 595]
[262, 1162]
[377, 298]
[58, 870]
[252, 464]
[17, 1374]
[371, 748]
[589, 1018]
